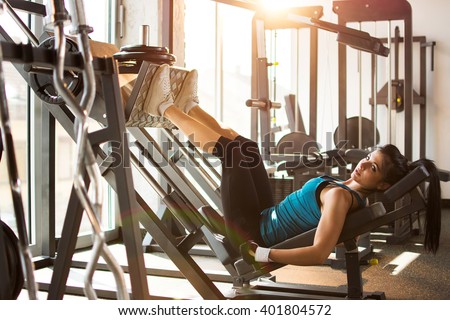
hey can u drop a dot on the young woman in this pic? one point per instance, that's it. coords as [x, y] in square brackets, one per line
[251, 216]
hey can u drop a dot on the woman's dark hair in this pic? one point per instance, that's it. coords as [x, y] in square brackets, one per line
[396, 166]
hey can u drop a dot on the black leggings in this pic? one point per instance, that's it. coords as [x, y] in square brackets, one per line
[245, 188]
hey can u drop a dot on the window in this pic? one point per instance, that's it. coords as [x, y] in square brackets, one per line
[222, 58]
[26, 121]
[17, 99]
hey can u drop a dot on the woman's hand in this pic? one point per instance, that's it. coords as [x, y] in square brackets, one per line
[248, 251]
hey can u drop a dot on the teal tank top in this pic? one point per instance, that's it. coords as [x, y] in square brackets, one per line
[298, 212]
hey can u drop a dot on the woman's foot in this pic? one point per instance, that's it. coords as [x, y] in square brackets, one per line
[187, 98]
[159, 96]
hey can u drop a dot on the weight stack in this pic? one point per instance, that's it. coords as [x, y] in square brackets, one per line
[281, 187]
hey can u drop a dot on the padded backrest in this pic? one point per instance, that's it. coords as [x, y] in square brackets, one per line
[353, 226]
[406, 184]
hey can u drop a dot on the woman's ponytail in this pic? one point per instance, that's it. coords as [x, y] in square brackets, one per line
[397, 167]
[433, 211]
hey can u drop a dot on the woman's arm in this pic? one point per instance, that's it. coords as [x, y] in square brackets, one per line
[336, 203]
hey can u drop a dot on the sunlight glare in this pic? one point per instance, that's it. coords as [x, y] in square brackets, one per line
[402, 261]
[277, 4]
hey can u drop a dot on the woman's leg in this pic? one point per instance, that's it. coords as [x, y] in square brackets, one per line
[245, 188]
[239, 192]
[187, 100]
[203, 132]
[200, 135]
[240, 199]
[255, 164]
[203, 117]
[200, 129]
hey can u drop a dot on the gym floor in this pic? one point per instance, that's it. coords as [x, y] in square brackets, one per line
[404, 272]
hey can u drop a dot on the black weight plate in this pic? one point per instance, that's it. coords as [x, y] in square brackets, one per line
[14, 263]
[145, 56]
[42, 84]
[353, 134]
[144, 48]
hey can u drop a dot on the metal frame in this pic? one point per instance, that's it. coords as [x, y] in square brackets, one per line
[418, 98]
[19, 54]
[260, 117]
[113, 133]
[376, 10]
[182, 202]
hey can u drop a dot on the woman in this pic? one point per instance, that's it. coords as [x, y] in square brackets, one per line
[248, 207]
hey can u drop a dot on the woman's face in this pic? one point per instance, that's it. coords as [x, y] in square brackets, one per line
[370, 172]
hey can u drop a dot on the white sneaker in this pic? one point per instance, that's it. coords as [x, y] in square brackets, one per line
[159, 96]
[187, 98]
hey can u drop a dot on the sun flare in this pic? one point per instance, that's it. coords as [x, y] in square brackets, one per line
[280, 4]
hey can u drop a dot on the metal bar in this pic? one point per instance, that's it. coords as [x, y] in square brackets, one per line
[167, 24]
[30, 35]
[219, 277]
[371, 10]
[48, 180]
[190, 157]
[423, 105]
[313, 77]
[205, 161]
[354, 279]
[29, 7]
[4, 36]
[211, 192]
[375, 97]
[254, 121]
[126, 195]
[167, 167]
[193, 273]
[389, 92]
[408, 69]
[66, 246]
[245, 4]
[14, 181]
[179, 207]
[360, 97]
[200, 175]
[264, 113]
[342, 78]
[281, 19]
[41, 57]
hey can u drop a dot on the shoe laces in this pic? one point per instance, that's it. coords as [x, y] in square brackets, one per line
[166, 88]
[194, 92]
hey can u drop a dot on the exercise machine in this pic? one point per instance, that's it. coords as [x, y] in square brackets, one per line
[395, 91]
[408, 190]
[73, 115]
[207, 223]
